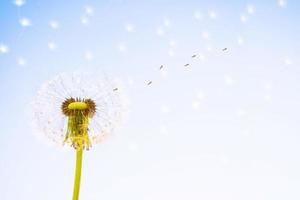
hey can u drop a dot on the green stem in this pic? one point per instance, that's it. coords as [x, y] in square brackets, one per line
[79, 153]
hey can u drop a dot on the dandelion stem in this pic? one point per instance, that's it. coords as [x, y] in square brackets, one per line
[79, 153]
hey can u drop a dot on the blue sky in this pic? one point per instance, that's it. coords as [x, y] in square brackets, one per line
[226, 127]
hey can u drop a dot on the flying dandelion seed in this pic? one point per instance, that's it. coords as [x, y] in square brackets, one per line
[52, 46]
[78, 109]
[84, 20]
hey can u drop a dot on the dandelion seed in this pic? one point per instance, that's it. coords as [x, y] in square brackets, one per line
[4, 48]
[267, 98]
[19, 2]
[54, 24]
[25, 22]
[78, 109]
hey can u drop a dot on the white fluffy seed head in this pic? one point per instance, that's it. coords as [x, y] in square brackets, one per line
[49, 120]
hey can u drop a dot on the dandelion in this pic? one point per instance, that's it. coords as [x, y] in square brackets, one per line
[78, 109]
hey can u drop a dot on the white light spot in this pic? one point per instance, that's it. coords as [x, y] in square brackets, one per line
[288, 61]
[84, 20]
[205, 35]
[164, 130]
[241, 112]
[21, 61]
[54, 24]
[171, 53]
[160, 31]
[165, 109]
[212, 14]
[89, 10]
[244, 18]
[167, 22]
[198, 15]
[129, 28]
[228, 80]
[200, 95]
[88, 55]
[240, 40]
[195, 104]
[19, 2]
[267, 98]
[130, 81]
[25, 22]
[4, 48]
[52, 46]
[133, 147]
[282, 3]
[268, 86]
[122, 48]
[172, 43]
[250, 9]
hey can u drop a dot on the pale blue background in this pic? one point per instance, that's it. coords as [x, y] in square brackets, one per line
[241, 143]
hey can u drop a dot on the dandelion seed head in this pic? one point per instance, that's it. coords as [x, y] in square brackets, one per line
[49, 119]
